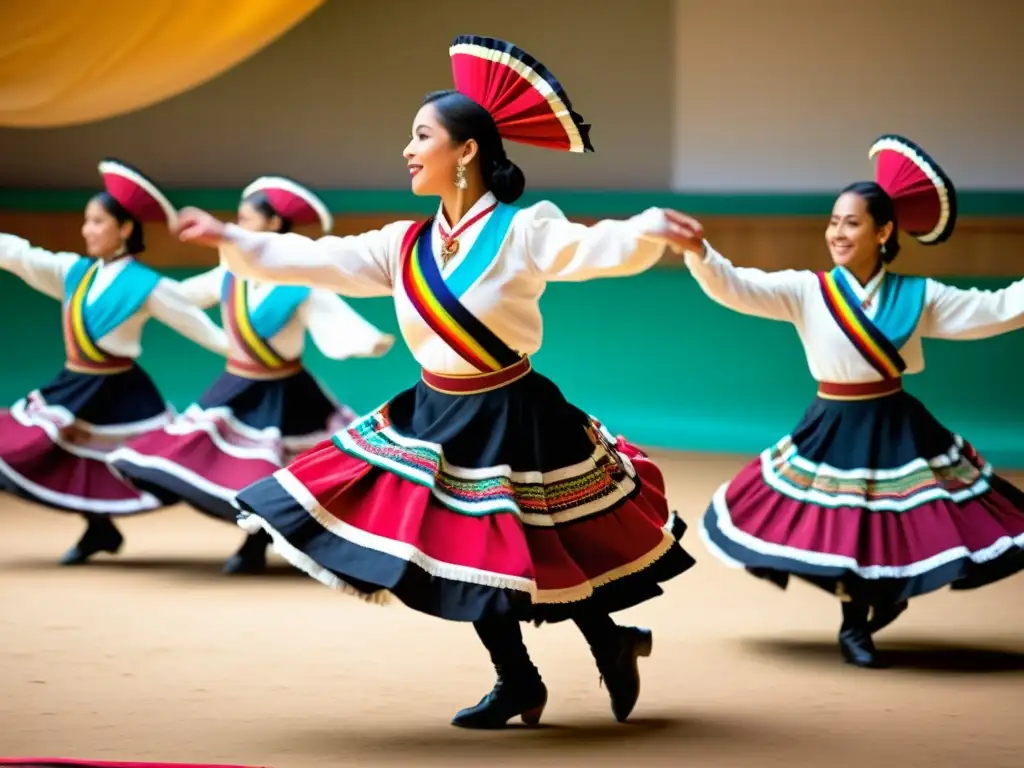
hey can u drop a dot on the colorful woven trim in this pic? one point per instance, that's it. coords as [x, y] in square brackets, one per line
[957, 475]
[540, 499]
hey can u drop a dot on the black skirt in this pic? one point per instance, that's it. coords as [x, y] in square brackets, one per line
[507, 501]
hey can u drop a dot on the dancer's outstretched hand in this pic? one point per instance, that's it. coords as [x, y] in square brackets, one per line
[199, 227]
[683, 233]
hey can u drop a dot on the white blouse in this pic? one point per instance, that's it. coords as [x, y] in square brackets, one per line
[795, 296]
[45, 271]
[337, 329]
[542, 246]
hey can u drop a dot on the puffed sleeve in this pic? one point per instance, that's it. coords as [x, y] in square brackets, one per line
[203, 290]
[355, 265]
[770, 295]
[954, 313]
[563, 250]
[168, 305]
[43, 270]
[339, 331]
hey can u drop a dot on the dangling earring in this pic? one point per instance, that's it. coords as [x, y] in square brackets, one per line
[122, 250]
[460, 177]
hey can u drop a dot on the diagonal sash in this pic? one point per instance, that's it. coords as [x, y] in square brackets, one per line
[79, 346]
[84, 323]
[870, 341]
[441, 309]
[251, 332]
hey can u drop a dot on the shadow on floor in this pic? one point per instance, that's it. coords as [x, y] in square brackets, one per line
[595, 741]
[910, 654]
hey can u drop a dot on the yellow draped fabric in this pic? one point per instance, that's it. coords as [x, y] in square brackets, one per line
[64, 62]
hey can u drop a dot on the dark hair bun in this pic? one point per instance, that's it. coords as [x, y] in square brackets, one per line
[506, 181]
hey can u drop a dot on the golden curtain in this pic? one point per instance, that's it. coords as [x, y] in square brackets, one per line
[64, 62]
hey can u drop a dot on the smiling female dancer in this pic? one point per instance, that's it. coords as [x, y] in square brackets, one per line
[869, 497]
[480, 494]
[266, 408]
[54, 443]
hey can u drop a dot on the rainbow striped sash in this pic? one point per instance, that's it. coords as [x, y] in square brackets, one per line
[900, 305]
[439, 305]
[252, 329]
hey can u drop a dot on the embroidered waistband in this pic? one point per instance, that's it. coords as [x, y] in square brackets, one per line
[256, 372]
[866, 390]
[475, 383]
[109, 368]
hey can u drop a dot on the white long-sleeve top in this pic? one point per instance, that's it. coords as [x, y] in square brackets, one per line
[795, 296]
[337, 330]
[542, 246]
[46, 271]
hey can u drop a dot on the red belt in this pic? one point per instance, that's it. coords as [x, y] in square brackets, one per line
[475, 383]
[867, 390]
[108, 368]
[252, 371]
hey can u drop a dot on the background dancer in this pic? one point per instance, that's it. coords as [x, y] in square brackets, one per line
[266, 408]
[54, 442]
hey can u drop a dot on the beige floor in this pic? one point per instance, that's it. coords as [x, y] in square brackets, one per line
[154, 656]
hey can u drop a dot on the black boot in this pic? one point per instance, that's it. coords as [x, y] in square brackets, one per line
[101, 535]
[251, 557]
[518, 692]
[855, 641]
[617, 650]
[884, 615]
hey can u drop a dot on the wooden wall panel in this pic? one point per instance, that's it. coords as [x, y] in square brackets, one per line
[981, 246]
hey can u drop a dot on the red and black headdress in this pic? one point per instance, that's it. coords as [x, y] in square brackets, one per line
[292, 201]
[922, 194]
[136, 193]
[527, 103]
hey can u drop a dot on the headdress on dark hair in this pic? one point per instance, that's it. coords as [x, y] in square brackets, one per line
[922, 194]
[136, 193]
[526, 101]
[292, 201]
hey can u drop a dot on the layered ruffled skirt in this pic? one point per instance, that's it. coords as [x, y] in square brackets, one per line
[508, 501]
[55, 443]
[872, 499]
[240, 431]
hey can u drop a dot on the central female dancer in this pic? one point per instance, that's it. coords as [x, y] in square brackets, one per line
[266, 408]
[869, 497]
[480, 494]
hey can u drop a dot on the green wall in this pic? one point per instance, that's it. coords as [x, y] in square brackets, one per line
[574, 202]
[649, 355]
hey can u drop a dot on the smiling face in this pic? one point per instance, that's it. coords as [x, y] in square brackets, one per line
[853, 237]
[431, 155]
[102, 233]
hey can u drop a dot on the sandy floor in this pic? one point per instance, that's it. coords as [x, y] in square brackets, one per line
[153, 655]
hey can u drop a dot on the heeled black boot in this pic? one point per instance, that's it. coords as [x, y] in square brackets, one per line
[101, 535]
[855, 641]
[617, 651]
[884, 615]
[251, 558]
[518, 691]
